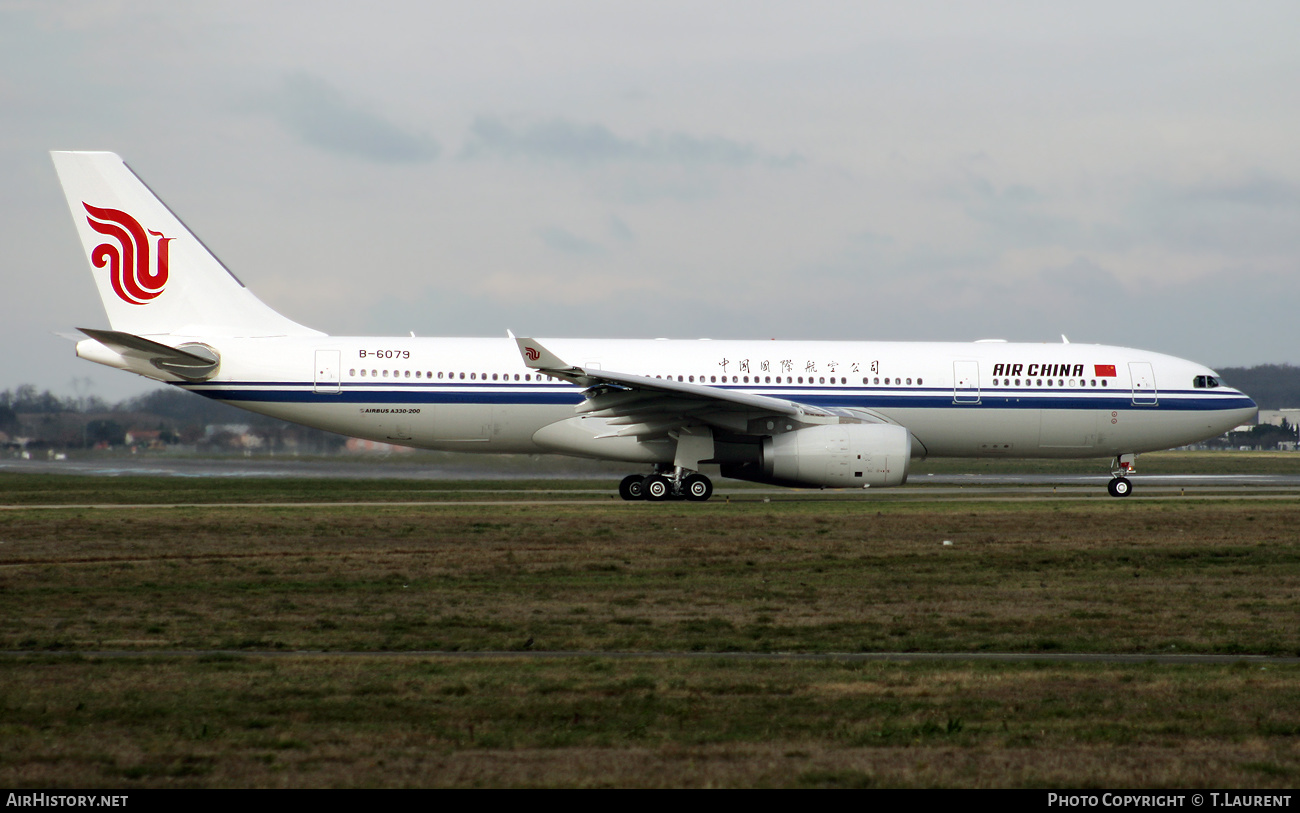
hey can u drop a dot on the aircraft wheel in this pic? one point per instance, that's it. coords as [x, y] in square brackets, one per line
[1119, 487]
[657, 488]
[697, 487]
[632, 487]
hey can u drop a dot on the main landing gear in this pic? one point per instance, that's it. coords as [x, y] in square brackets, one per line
[675, 484]
[1119, 485]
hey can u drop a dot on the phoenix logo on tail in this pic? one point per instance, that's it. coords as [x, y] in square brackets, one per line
[135, 279]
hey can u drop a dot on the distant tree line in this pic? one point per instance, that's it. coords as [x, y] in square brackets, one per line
[51, 421]
[1273, 386]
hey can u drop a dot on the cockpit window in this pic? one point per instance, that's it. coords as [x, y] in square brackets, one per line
[1204, 382]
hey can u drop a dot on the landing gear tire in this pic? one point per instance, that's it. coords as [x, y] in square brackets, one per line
[697, 488]
[657, 488]
[632, 487]
[1119, 487]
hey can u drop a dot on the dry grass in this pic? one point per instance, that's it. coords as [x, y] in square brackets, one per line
[1134, 577]
[1105, 576]
[374, 721]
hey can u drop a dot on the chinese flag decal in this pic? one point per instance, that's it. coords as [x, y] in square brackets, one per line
[1103, 370]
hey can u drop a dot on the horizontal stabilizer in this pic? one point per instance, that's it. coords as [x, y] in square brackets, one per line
[192, 361]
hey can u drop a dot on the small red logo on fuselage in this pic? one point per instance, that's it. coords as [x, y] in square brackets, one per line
[135, 278]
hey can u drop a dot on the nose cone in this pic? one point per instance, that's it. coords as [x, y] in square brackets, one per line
[1242, 411]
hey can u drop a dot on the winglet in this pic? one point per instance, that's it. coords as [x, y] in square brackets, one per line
[539, 358]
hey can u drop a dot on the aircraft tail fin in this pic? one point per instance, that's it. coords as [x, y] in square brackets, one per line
[154, 276]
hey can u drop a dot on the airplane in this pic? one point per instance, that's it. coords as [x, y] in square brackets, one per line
[805, 414]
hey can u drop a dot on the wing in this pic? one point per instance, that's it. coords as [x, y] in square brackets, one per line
[644, 407]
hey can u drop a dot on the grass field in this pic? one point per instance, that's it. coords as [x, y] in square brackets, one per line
[820, 576]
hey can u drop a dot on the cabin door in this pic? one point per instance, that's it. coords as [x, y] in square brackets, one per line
[1144, 383]
[327, 371]
[966, 382]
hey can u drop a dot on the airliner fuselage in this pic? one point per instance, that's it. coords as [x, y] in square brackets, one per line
[980, 399]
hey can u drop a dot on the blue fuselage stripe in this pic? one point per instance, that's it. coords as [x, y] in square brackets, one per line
[506, 394]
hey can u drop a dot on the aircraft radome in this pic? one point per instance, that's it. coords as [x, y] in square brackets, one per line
[791, 413]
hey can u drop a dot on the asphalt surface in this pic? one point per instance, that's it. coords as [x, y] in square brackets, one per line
[920, 486]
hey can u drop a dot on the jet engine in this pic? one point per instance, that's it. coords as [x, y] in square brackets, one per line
[849, 455]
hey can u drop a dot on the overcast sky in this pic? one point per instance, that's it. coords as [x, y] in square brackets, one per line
[1124, 173]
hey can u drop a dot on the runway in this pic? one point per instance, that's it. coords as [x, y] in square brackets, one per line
[502, 486]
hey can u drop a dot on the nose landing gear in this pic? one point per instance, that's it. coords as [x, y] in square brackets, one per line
[1119, 485]
[677, 484]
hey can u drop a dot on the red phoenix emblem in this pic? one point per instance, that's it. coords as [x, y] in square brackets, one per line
[135, 278]
[532, 353]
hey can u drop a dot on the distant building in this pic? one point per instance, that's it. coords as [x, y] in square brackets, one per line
[226, 429]
[151, 438]
[359, 446]
[1275, 416]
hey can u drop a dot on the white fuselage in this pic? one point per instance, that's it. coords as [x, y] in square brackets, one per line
[981, 399]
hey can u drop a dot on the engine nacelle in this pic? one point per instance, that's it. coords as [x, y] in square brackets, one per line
[849, 455]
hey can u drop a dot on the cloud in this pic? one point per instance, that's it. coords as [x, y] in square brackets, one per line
[318, 113]
[1249, 217]
[570, 142]
[567, 242]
